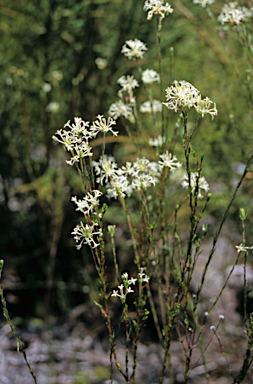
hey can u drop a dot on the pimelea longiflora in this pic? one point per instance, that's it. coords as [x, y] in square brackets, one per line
[162, 171]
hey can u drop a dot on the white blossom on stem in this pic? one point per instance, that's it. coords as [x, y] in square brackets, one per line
[169, 161]
[206, 106]
[204, 3]
[150, 76]
[84, 235]
[181, 94]
[148, 107]
[89, 202]
[234, 14]
[134, 49]
[119, 109]
[202, 183]
[101, 125]
[157, 7]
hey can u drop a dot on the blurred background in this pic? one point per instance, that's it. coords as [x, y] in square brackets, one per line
[62, 58]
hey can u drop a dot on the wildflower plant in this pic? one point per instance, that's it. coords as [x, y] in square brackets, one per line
[162, 264]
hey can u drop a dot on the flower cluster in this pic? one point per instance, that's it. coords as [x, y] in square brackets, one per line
[85, 235]
[204, 106]
[148, 107]
[169, 161]
[106, 168]
[234, 14]
[243, 248]
[204, 3]
[134, 49]
[120, 109]
[181, 94]
[150, 76]
[157, 7]
[128, 83]
[194, 181]
[139, 175]
[89, 203]
[76, 138]
[101, 125]
[125, 288]
[157, 142]
[142, 277]
[184, 95]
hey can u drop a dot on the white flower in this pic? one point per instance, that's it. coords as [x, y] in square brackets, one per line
[202, 183]
[53, 107]
[134, 49]
[79, 128]
[143, 181]
[128, 83]
[205, 106]
[169, 161]
[142, 276]
[76, 139]
[148, 107]
[181, 94]
[213, 328]
[106, 168]
[243, 248]
[119, 109]
[46, 87]
[204, 3]
[143, 172]
[101, 125]
[234, 14]
[150, 76]
[84, 235]
[101, 63]
[79, 152]
[157, 7]
[88, 203]
[124, 288]
[119, 185]
[222, 317]
[157, 142]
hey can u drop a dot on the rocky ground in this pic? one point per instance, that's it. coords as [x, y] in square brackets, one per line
[73, 353]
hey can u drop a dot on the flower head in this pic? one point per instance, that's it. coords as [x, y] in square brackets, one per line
[243, 248]
[181, 94]
[234, 14]
[75, 139]
[205, 106]
[148, 107]
[204, 3]
[101, 125]
[157, 142]
[169, 161]
[105, 168]
[119, 109]
[119, 185]
[128, 83]
[84, 235]
[143, 278]
[89, 203]
[157, 7]
[185, 95]
[194, 181]
[125, 288]
[134, 49]
[150, 76]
